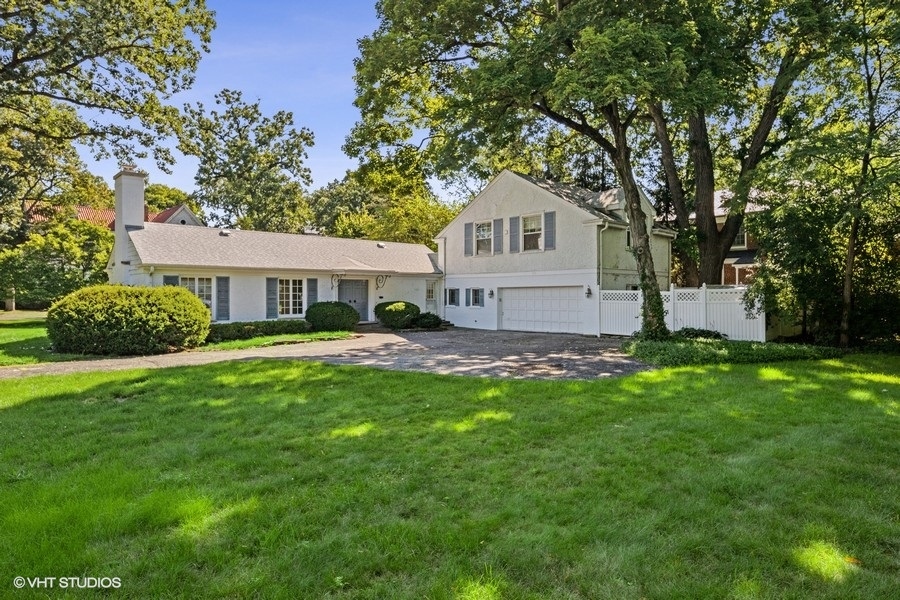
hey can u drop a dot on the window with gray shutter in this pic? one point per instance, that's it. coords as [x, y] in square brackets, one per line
[223, 298]
[271, 297]
[312, 292]
[498, 236]
[170, 280]
[467, 239]
[513, 234]
[550, 231]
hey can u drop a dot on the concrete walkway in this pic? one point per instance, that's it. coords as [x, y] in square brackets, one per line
[456, 351]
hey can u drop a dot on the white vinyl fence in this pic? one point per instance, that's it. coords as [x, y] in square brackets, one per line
[718, 308]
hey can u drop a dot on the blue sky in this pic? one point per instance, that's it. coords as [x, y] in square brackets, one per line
[295, 56]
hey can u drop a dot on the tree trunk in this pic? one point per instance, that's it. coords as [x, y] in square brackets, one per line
[653, 324]
[847, 302]
[690, 268]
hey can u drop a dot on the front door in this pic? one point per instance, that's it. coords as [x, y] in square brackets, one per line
[355, 292]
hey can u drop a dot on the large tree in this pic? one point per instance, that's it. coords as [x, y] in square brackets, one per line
[251, 172]
[831, 237]
[468, 72]
[711, 80]
[119, 60]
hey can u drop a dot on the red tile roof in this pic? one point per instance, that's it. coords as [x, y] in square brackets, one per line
[107, 216]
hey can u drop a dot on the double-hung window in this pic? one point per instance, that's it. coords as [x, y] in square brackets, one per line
[290, 297]
[200, 287]
[532, 229]
[477, 296]
[483, 238]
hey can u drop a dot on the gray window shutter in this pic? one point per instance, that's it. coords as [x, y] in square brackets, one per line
[467, 239]
[223, 298]
[170, 279]
[513, 234]
[498, 236]
[481, 298]
[312, 292]
[550, 230]
[271, 297]
[468, 296]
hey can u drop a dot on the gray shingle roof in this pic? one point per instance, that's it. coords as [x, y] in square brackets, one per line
[178, 245]
[596, 203]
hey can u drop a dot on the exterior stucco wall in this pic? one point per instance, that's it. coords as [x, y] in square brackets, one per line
[509, 196]
[618, 267]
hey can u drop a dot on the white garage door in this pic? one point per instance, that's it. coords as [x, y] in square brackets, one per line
[556, 309]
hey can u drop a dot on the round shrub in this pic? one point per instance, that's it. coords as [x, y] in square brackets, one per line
[396, 314]
[427, 320]
[332, 316]
[122, 320]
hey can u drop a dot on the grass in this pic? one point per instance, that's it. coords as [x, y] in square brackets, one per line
[275, 340]
[286, 479]
[683, 352]
[24, 342]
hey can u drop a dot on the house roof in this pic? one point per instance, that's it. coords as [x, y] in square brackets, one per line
[740, 257]
[596, 203]
[106, 217]
[721, 199]
[162, 244]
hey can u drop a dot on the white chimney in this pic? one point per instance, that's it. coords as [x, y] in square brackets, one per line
[129, 185]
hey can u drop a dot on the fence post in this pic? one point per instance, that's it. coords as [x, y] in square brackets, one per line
[703, 309]
[672, 309]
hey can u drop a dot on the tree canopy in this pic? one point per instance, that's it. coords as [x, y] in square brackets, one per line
[118, 59]
[251, 172]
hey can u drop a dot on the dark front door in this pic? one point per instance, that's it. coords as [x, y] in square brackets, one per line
[355, 292]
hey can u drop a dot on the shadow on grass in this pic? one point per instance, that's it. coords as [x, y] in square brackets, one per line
[301, 479]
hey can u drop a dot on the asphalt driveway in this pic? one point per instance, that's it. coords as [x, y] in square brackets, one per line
[455, 351]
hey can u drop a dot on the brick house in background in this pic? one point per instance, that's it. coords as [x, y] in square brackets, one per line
[741, 260]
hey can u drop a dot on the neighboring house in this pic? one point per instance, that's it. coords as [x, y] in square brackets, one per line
[531, 255]
[740, 261]
[255, 275]
[106, 217]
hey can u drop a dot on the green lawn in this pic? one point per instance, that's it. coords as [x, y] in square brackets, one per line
[25, 342]
[298, 480]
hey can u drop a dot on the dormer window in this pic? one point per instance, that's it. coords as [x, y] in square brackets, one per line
[740, 240]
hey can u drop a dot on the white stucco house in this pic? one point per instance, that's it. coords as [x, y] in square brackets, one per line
[254, 275]
[531, 255]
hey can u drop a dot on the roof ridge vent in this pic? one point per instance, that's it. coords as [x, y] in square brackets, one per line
[224, 232]
[381, 245]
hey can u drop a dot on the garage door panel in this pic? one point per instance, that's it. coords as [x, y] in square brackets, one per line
[552, 309]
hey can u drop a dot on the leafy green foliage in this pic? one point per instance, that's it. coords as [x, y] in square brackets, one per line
[58, 258]
[427, 320]
[121, 320]
[332, 316]
[223, 332]
[696, 333]
[682, 351]
[396, 314]
[251, 169]
[115, 57]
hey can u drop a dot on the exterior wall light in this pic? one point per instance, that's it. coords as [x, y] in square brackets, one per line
[491, 294]
[588, 293]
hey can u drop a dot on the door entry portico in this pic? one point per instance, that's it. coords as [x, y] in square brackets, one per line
[355, 292]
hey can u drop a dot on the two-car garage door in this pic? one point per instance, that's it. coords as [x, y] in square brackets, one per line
[556, 309]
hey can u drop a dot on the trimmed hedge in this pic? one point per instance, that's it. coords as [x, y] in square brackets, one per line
[680, 352]
[332, 316]
[121, 320]
[245, 330]
[427, 321]
[396, 314]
